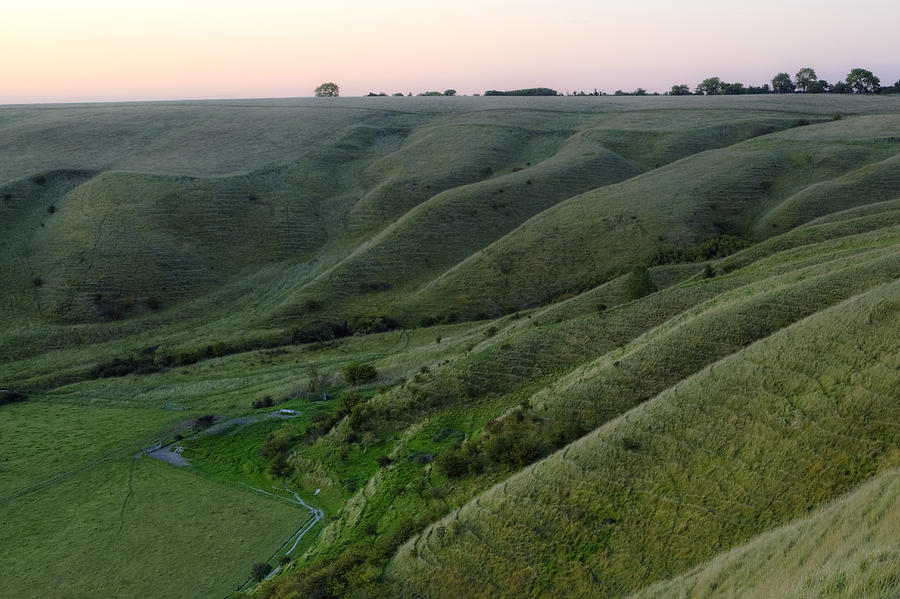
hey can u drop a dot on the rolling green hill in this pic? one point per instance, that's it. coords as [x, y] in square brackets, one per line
[623, 347]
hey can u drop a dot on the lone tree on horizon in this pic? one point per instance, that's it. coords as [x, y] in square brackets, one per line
[328, 90]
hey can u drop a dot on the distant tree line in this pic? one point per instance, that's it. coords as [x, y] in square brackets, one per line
[857, 81]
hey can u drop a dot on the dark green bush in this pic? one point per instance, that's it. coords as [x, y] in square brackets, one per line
[7, 397]
[358, 374]
[260, 570]
[639, 283]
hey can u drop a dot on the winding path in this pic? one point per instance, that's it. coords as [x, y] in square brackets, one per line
[316, 516]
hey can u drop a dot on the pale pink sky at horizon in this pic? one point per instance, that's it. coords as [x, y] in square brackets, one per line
[105, 50]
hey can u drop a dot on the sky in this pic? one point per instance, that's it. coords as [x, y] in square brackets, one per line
[113, 50]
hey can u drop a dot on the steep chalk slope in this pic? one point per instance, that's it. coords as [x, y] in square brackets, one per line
[749, 443]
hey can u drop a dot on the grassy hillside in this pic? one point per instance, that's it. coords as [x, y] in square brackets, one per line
[847, 549]
[565, 249]
[749, 443]
[547, 416]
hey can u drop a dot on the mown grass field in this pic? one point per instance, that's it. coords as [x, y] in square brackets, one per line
[544, 422]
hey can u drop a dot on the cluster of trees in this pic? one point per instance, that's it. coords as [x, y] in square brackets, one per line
[446, 92]
[510, 442]
[713, 86]
[858, 81]
[717, 246]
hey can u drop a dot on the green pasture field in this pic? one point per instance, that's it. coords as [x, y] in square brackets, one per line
[139, 528]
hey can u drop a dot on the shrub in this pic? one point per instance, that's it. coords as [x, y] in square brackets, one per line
[367, 325]
[325, 331]
[162, 357]
[490, 331]
[318, 381]
[312, 305]
[260, 570]
[11, 397]
[279, 442]
[265, 402]
[39, 179]
[279, 468]
[121, 367]
[357, 374]
[51, 209]
[453, 462]
[205, 421]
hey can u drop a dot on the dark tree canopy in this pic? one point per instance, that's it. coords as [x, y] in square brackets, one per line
[327, 90]
[531, 91]
[841, 87]
[818, 87]
[260, 570]
[711, 86]
[862, 81]
[782, 84]
[806, 78]
[357, 374]
[680, 90]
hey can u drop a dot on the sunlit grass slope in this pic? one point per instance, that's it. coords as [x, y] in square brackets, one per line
[749, 443]
[848, 549]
